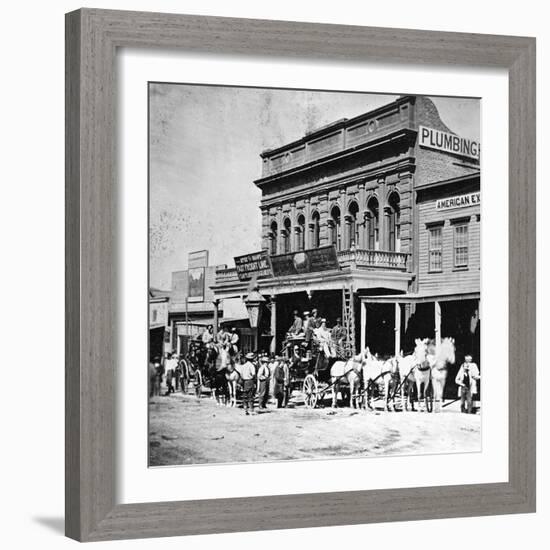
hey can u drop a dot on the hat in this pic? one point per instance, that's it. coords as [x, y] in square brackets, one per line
[295, 312]
[323, 320]
[338, 319]
[264, 359]
[249, 355]
[314, 310]
[306, 312]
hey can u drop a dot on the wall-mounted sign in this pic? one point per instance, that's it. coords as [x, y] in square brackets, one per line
[195, 285]
[460, 201]
[450, 143]
[257, 264]
[197, 259]
[306, 261]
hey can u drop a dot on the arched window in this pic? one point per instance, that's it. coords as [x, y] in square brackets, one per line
[372, 224]
[334, 225]
[353, 235]
[315, 230]
[273, 236]
[301, 233]
[286, 236]
[394, 237]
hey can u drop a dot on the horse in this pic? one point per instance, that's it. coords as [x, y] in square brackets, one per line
[407, 366]
[438, 358]
[233, 377]
[373, 370]
[216, 374]
[351, 371]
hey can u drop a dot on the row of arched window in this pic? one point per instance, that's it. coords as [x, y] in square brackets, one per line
[341, 235]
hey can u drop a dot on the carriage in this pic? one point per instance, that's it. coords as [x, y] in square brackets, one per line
[309, 372]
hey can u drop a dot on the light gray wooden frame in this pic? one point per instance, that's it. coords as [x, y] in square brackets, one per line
[92, 38]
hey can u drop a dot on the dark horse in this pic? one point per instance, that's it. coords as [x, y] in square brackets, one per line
[216, 374]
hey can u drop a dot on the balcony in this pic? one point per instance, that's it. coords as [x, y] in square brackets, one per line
[376, 260]
[373, 259]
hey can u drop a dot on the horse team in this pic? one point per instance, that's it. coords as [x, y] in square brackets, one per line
[399, 375]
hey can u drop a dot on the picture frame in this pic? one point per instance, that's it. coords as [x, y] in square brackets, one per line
[92, 39]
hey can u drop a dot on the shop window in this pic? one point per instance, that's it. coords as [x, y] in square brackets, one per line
[353, 235]
[301, 233]
[273, 237]
[435, 248]
[335, 234]
[372, 224]
[461, 245]
[286, 236]
[315, 231]
[394, 230]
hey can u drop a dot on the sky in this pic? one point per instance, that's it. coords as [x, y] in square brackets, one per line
[205, 143]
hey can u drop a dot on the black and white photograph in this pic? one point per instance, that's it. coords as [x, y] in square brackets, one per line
[314, 274]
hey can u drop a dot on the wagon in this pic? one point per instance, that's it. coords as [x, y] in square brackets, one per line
[313, 380]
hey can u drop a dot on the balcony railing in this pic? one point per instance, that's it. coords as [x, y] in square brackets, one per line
[373, 259]
[354, 258]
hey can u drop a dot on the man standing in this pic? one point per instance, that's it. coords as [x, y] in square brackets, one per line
[281, 376]
[223, 337]
[263, 383]
[308, 329]
[248, 375]
[338, 334]
[234, 341]
[297, 325]
[208, 335]
[170, 367]
[466, 379]
[315, 319]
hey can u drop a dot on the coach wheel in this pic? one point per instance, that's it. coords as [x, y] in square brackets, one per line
[429, 395]
[310, 389]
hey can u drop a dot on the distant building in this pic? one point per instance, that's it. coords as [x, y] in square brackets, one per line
[159, 338]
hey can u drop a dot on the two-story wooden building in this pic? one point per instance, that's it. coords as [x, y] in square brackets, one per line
[395, 194]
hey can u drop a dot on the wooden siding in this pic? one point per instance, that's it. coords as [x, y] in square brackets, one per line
[450, 278]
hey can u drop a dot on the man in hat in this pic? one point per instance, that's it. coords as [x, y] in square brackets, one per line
[308, 329]
[466, 380]
[208, 335]
[338, 334]
[281, 378]
[234, 341]
[248, 375]
[315, 319]
[263, 383]
[297, 325]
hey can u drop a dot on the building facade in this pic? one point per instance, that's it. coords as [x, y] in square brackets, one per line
[397, 195]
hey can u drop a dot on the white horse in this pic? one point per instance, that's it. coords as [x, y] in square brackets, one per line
[351, 371]
[374, 370]
[438, 358]
[408, 366]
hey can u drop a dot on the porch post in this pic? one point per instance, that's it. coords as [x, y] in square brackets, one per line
[397, 329]
[216, 313]
[437, 312]
[363, 325]
[273, 344]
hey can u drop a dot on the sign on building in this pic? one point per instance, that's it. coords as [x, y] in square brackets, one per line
[450, 143]
[460, 201]
[197, 259]
[256, 263]
[195, 278]
[307, 261]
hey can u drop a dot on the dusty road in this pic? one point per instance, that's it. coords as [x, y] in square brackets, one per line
[184, 430]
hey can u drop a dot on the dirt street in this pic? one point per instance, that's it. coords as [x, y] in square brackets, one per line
[185, 430]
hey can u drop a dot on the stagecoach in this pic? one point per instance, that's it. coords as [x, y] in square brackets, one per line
[308, 373]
